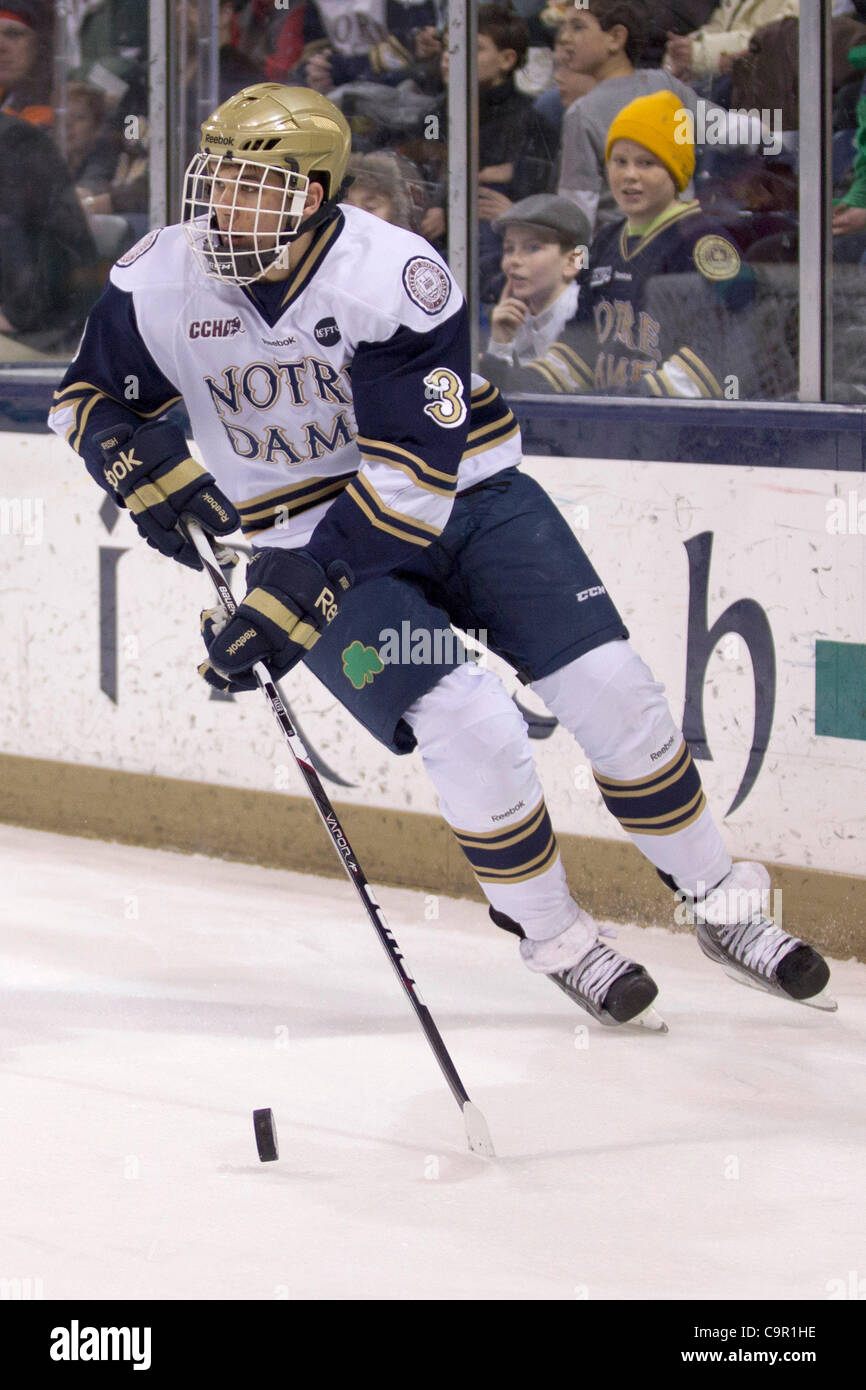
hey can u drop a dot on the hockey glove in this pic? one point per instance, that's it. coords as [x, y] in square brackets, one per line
[289, 599]
[149, 471]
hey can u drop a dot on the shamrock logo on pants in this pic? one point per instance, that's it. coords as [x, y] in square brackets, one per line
[361, 664]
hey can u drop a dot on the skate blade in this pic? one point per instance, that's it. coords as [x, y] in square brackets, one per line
[477, 1132]
[651, 1019]
[823, 1001]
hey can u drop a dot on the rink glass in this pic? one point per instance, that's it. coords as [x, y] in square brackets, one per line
[158, 70]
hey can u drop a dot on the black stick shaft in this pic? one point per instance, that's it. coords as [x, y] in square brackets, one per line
[339, 839]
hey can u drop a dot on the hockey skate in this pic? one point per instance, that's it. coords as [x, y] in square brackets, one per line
[611, 988]
[733, 930]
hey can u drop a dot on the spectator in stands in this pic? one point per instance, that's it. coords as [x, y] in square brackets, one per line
[670, 18]
[544, 246]
[849, 212]
[710, 51]
[569, 82]
[515, 147]
[605, 40]
[26, 60]
[631, 335]
[49, 274]
[346, 43]
[381, 185]
[91, 150]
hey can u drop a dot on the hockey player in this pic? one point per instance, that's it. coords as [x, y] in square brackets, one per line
[323, 356]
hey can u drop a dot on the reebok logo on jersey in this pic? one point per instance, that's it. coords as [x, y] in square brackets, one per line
[595, 592]
[215, 328]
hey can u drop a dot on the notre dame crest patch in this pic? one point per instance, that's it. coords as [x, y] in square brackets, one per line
[717, 258]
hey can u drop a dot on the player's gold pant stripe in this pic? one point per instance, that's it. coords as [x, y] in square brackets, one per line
[614, 787]
[649, 789]
[473, 842]
[531, 869]
[641, 822]
[644, 828]
[482, 838]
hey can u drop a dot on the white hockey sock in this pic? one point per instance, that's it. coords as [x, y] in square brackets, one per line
[609, 701]
[475, 748]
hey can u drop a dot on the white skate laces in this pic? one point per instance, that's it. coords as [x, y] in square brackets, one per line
[758, 945]
[593, 976]
[735, 914]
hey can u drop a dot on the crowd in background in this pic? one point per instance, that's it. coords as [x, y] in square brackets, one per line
[553, 77]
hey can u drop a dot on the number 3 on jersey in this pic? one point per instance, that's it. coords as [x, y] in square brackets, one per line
[444, 391]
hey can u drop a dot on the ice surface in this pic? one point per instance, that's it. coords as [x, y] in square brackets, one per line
[152, 1001]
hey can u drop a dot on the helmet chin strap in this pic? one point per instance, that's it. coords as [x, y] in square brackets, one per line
[323, 213]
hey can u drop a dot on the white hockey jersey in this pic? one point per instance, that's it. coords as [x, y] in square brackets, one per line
[335, 408]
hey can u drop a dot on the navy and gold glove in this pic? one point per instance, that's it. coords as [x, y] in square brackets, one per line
[150, 472]
[289, 599]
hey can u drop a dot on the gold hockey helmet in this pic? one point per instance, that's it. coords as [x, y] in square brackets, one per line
[245, 191]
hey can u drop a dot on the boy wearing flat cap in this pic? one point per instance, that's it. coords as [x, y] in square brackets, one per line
[545, 243]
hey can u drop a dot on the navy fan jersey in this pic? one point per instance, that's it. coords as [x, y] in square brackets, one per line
[335, 408]
[661, 314]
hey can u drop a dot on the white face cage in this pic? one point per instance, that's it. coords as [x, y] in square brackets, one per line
[239, 216]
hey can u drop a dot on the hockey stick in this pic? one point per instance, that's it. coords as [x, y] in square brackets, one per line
[477, 1132]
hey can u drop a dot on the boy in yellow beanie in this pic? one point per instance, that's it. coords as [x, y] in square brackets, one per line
[635, 334]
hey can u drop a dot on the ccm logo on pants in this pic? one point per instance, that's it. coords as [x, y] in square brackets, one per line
[590, 593]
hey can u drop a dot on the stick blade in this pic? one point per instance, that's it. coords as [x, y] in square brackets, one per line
[477, 1132]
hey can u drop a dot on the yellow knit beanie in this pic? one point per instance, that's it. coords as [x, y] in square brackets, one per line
[664, 127]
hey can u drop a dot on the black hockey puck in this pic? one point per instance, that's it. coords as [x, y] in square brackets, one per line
[266, 1135]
